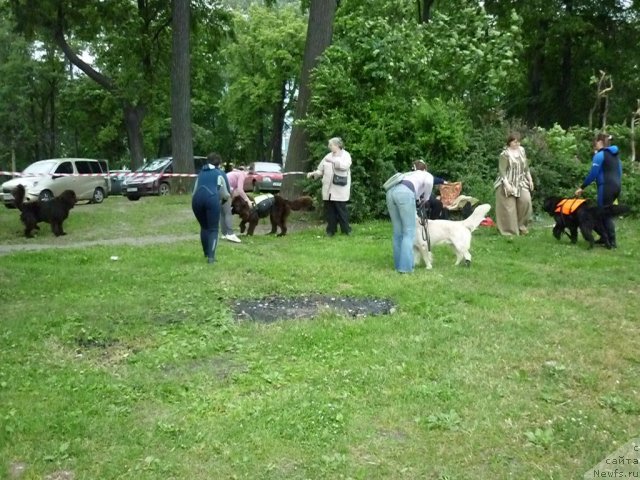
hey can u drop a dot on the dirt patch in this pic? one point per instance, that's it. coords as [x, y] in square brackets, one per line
[17, 470]
[273, 308]
[60, 475]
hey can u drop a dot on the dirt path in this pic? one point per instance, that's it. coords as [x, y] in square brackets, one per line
[149, 240]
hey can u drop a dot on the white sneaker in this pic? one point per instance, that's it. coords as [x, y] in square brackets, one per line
[232, 238]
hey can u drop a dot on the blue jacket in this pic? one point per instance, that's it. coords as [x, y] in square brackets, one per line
[604, 175]
[208, 180]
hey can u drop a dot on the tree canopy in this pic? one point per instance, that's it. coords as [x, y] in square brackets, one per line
[396, 79]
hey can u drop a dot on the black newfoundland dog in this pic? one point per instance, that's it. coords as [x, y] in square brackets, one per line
[54, 211]
[575, 214]
[273, 206]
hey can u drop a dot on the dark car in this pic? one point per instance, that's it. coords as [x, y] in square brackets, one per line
[117, 178]
[152, 179]
[263, 177]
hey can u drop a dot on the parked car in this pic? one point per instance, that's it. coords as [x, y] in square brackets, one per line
[151, 179]
[117, 177]
[263, 177]
[45, 179]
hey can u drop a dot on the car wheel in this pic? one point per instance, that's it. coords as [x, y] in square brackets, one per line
[45, 196]
[256, 189]
[164, 189]
[98, 195]
[133, 198]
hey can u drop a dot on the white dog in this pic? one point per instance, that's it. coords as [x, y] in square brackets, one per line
[455, 233]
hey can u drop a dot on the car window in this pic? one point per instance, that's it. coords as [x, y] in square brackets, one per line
[64, 168]
[104, 166]
[155, 165]
[83, 166]
[40, 167]
[198, 163]
[268, 167]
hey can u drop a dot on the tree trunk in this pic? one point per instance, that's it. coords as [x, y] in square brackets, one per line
[278, 126]
[181, 136]
[424, 10]
[566, 73]
[133, 117]
[133, 114]
[536, 73]
[319, 32]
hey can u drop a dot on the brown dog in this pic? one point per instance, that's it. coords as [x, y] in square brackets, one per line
[274, 206]
[54, 212]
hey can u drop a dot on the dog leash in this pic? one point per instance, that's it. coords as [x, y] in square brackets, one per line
[424, 221]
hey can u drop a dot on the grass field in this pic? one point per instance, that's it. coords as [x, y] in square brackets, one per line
[524, 366]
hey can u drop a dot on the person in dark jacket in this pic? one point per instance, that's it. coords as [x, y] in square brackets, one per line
[205, 204]
[606, 171]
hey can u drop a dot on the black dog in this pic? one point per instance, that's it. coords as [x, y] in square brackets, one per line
[54, 211]
[577, 213]
[274, 206]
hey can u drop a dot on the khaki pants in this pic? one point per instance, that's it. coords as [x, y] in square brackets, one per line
[513, 213]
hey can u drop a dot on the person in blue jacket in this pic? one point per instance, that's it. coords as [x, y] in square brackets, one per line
[205, 203]
[606, 171]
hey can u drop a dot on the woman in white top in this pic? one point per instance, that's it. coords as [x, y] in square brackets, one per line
[513, 189]
[337, 161]
[415, 187]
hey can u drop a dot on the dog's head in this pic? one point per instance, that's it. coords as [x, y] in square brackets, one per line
[68, 198]
[550, 204]
[241, 208]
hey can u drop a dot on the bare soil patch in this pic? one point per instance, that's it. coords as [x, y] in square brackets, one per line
[273, 308]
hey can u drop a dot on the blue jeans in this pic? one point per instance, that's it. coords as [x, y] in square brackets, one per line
[401, 202]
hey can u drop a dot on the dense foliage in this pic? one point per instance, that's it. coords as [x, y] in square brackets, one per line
[395, 84]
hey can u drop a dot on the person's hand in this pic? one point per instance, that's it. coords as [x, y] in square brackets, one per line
[310, 175]
[579, 192]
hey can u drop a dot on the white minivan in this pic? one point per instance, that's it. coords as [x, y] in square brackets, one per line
[43, 180]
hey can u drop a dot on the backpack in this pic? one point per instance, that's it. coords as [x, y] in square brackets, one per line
[393, 180]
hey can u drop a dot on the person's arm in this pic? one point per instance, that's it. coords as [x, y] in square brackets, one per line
[242, 176]
[438, 181]
[342, 161]
[596, 167]
[503, 167]
[527, 171]
[319, 171]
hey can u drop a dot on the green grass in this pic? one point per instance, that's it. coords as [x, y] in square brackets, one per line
[526, 365]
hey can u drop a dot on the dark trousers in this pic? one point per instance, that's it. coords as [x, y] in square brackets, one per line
[206, 208]
[337, 213]
[607, 194]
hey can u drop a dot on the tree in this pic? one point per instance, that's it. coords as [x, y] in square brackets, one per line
[262, 67]
[181, 135]
[319, 32]
[131, 44]
[567, 42]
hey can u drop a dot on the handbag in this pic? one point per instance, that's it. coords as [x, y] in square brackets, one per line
[340, 180]
[393, 180]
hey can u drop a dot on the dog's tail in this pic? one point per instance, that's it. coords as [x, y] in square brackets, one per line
[301, 203]
[614, 210]
[476, 217]
[18, 196]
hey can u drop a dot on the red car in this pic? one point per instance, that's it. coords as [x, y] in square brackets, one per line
[263, 177]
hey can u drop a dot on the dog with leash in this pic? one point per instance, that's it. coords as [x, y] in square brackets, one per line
[267, 205]
[573, 214]
[430, 233]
